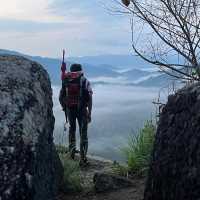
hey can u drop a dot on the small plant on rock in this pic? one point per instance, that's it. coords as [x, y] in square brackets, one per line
[72, 174]
[139, 149]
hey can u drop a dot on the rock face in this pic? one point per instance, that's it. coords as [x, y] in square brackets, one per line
[104, 182]
[29, 165]
[175, 169]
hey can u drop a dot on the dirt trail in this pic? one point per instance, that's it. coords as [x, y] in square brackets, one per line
[101, 165]
[123, 194]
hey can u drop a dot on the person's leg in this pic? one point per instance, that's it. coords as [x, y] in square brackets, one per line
[83, 126]
[72, 132]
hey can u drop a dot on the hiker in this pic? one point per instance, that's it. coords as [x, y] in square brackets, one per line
[76, 100]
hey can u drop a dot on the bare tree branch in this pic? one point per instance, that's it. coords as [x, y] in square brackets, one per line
[175, 26]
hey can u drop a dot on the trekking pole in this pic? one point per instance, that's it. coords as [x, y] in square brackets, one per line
[63, 56]
[63, 66]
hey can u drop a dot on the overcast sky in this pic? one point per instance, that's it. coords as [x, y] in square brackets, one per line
[44, 27]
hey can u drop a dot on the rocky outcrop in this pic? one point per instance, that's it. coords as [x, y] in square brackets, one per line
[29, 165]
[175, 169]
[104, 182]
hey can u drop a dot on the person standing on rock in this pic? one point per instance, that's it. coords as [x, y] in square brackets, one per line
[76, 100]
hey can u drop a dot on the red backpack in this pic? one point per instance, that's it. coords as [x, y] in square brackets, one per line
[74, 84]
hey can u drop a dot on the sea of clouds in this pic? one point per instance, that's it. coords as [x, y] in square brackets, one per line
[118, 112]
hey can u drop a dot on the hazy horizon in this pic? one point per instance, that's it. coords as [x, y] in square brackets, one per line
[76, 26]
[118, 112]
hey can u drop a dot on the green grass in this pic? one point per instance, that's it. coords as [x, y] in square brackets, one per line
[61, 149]
[120, 169]
[72, 175]
[138, 151]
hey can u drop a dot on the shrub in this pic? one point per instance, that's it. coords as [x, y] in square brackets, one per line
[139, 149]
[72, 174]
[61, 149]
[120, 169]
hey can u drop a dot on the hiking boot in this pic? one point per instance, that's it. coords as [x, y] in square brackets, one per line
[77, 151]
[83, 162]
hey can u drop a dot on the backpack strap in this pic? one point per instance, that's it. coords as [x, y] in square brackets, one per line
[82, 85]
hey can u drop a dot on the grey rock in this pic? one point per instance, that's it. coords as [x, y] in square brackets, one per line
[28, 168]
[104, 182]
[175, 167]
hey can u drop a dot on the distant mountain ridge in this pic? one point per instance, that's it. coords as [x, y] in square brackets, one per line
[103, 69]
[113, 60]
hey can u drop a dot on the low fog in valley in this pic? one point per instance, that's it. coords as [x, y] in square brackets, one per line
[124, 88]
[118, 112]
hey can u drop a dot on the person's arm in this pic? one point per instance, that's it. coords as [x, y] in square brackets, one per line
[62, 96]
[89, 88]
[62, 99]
[90, 105]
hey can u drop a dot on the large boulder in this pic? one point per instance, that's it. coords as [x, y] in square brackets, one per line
[104, 182]
[29, 165]
[175, 168]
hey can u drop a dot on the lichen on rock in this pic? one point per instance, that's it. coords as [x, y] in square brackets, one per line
[28, 168]
[175, 168]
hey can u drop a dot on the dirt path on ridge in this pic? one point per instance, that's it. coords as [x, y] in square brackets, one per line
[101, 165]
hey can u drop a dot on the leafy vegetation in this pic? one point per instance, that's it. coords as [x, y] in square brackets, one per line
[138, 151]
[120, 169]
[61, 149]
[72, 175]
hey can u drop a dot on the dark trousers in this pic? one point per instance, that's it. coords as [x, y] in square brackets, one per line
[81, 116]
